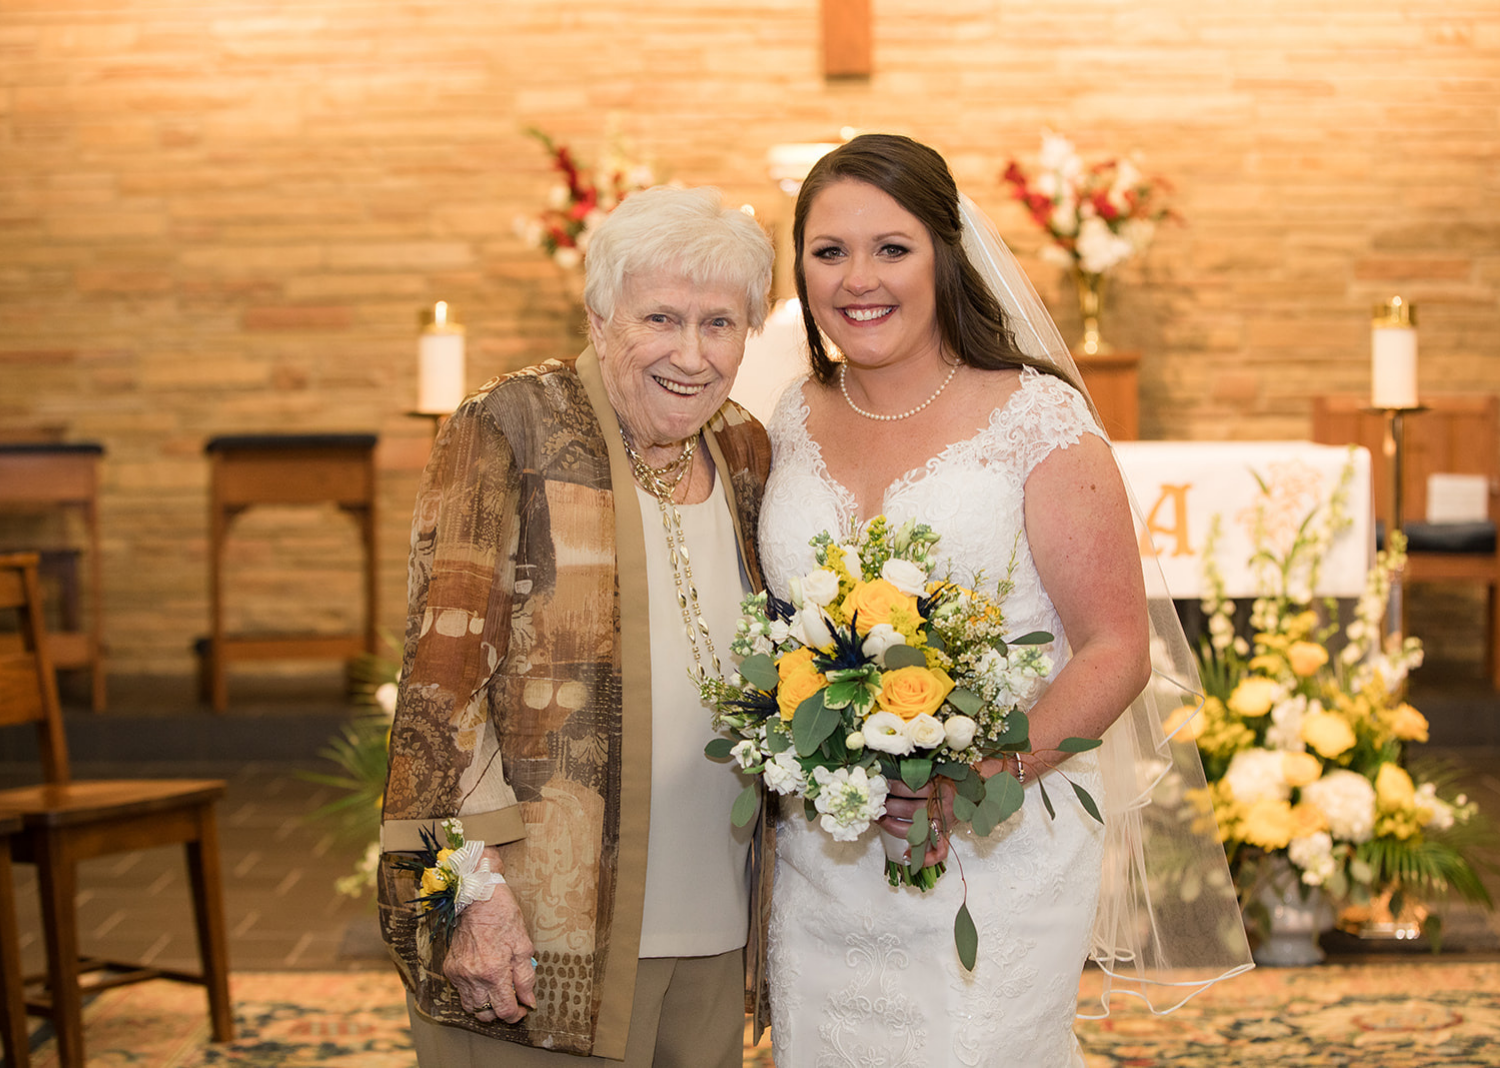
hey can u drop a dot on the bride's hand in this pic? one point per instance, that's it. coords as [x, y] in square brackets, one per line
[902, 804]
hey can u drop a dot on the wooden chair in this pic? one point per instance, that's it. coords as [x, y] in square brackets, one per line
[1453, 435]
[15, 1042]
[64, 822]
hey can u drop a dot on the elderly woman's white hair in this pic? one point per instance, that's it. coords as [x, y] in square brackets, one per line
[687, 232]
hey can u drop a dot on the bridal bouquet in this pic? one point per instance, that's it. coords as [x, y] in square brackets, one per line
[875, 671]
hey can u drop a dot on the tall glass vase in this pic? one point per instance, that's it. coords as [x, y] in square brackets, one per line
[1090, 303]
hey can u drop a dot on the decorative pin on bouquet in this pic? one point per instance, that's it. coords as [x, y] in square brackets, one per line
[876, 671]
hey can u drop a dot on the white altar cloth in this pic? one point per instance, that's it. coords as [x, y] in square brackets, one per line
[1182, 485]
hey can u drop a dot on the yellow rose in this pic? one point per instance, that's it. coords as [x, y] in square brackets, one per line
[1269, 823]
[1393, 788]
[433, 881]
[796, 687]
[1328, 733]
[1179, 716]
[1307, 819]
[1306, 657]
[1408, 724]
[913, 691]
[1254, 697]
[878, 602]
[1301, 768]
[795, 662]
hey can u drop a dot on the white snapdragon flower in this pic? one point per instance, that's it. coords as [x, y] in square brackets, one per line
[1254, 774]
[783, 774]
[1347, 798]
[959, 731]
[926, 731]
[885, 732]
[848, 799]
[881, 637]
[746, 753]
[820, 587]
[905, 576]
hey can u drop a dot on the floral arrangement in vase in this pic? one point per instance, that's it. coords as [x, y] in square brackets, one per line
[1097, 215]
[1304, 730]
[578, 203]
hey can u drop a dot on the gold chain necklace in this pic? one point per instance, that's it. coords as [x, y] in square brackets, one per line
[655, 482]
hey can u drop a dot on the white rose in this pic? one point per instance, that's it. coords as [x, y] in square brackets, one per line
[926, 731]
[811, 629]
[881, 637]
[885, 732]
[959, 731]
[820, 587]
[905, 576]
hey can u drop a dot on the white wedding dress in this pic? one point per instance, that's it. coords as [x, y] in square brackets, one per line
[864, 975]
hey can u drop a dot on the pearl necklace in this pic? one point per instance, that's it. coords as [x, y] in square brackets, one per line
[844, 389]
[654, 481]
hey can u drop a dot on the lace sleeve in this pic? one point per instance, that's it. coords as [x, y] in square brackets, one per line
[1045, 414]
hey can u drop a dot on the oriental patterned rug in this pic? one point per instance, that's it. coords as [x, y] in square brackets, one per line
[1370, 1015]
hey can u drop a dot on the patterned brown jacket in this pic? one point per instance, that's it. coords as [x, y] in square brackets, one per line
[524, 704]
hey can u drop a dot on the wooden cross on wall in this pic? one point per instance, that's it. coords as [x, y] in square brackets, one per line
[846, 39]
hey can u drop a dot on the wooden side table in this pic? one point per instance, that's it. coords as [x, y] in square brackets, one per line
[1113, 381]
[256, 469]
[58, 475]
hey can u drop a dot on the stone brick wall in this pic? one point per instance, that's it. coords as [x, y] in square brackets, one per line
[224, 217]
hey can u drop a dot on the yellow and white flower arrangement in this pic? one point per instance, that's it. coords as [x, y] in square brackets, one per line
[876, 671]
[451, 875]
[1304, 730]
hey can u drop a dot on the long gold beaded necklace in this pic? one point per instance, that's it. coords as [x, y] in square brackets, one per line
[662, 483]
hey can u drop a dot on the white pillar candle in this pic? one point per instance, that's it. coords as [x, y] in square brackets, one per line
[1393, 355]
[440, 362]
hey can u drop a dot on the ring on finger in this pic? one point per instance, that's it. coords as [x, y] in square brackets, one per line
[486, 1007]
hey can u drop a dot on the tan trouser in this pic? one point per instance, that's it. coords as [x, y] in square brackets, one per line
[689, 1012]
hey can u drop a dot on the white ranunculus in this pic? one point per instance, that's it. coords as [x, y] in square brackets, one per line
[959, 730]
[820, 587]
[885, 732]
[881, 637]
[925, 731]
[905, 576]
[1254, 774]
[811, 628]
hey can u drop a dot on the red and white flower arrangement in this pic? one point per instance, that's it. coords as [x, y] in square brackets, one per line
[579, 203]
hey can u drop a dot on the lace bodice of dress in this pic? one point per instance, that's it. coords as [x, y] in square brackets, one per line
[972, 494]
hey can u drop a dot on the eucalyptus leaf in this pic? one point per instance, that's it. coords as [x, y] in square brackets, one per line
[920, 830]
[813, 722]
[1017, 732]
[963, 808]
[1078, 745]
[1046, 800]
[903, 656]
[916, 772]
[745, 806]
[966, 937]
[1036, 637]
[776, 742]
[1086, 801]
[759, 670]
[719, 749]
[1005, 790]
[968, 703]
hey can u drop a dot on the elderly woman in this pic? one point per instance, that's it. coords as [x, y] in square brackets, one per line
[584, 533]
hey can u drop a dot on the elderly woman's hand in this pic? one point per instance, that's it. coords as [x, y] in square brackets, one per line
[489, 959]
[902, 803]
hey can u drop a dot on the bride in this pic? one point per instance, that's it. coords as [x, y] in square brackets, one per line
[953, 403]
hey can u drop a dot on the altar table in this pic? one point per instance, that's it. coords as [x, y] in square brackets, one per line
[1181, 486]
